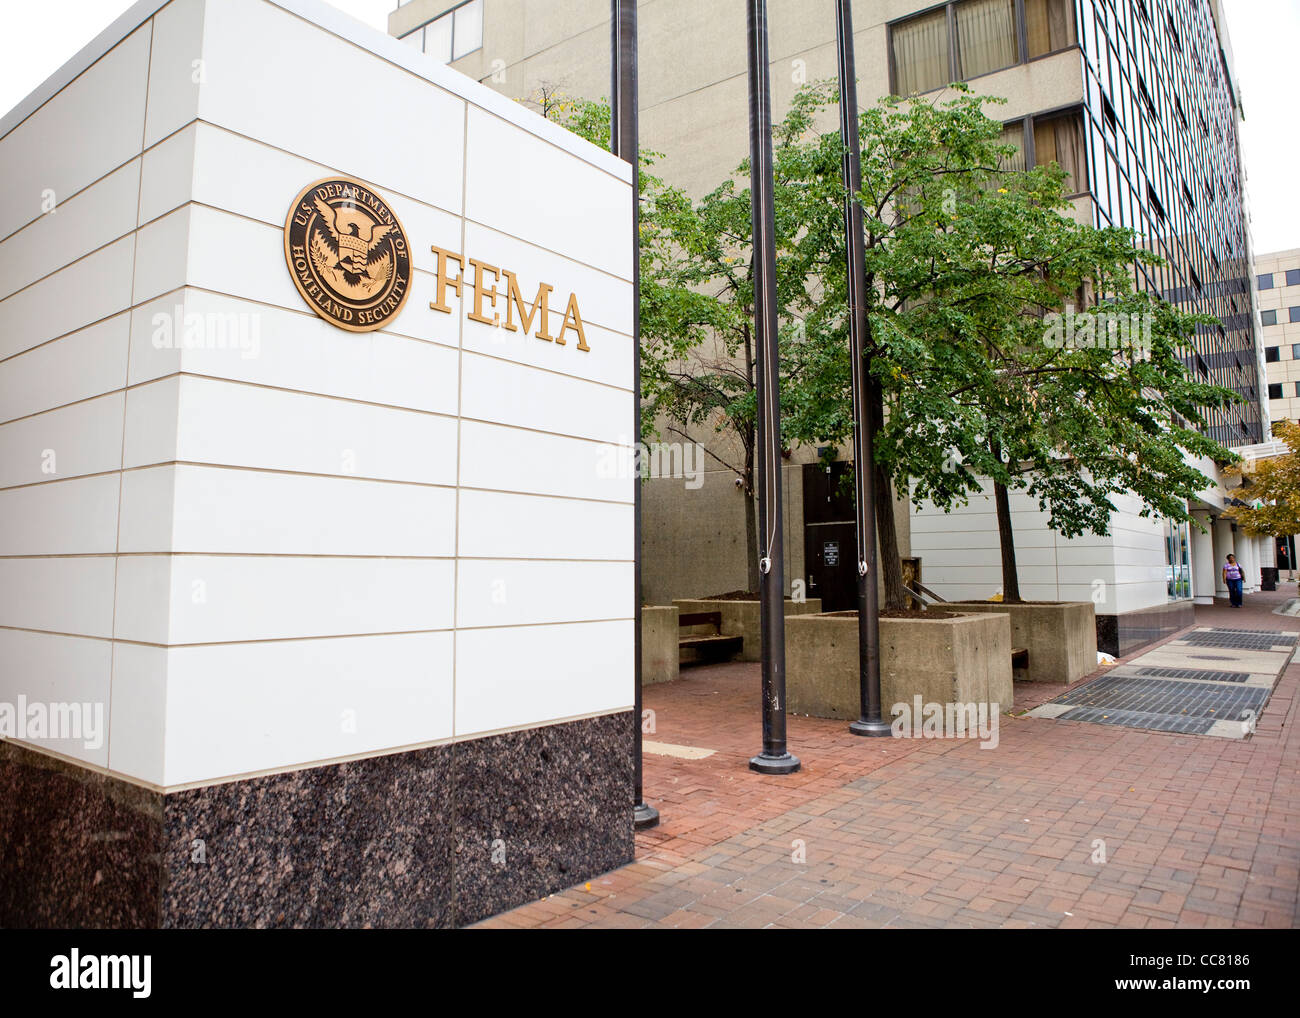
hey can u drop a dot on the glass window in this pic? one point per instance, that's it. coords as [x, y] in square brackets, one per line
[1297, 388]
[986, 37]
[921, 53]
[1060, 140]
[1293, 277]
[415, 39]
[1272, 353]
[1268, 317]
[1014, 134]
[469, 28]
[1265, 281]
[1295, 351]
[1275, 390]
[1049, 26]
[437, 39]
[1293, 314]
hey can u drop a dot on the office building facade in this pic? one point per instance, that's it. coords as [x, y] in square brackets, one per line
[1135, 99]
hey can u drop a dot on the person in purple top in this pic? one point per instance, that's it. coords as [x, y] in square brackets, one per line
[1232, 577]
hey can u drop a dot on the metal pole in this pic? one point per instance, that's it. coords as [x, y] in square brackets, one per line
[775, 758]
[624, 143]
[870, 721]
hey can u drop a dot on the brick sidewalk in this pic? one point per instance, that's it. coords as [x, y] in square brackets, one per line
[1196, 831]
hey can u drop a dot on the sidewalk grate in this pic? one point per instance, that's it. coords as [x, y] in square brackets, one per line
[1119, 695]
[1139, 719]
[1238, 639]
[1203, 674]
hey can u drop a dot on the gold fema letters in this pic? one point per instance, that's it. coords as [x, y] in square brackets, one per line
[481, 291]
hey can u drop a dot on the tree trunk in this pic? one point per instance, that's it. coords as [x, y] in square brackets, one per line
[751, 536]
[889, 561]
[1006, 537]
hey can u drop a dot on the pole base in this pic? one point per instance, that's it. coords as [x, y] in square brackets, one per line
[786, 763]
[871, 728]
[644, 816]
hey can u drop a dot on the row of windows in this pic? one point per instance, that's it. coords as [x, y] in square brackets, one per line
[1276, 389]
[1271, 317]
[1273, 354]
[964, 39]
[1267, 281]
[450, 35]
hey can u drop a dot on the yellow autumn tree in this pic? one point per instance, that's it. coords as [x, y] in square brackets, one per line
[1272, 489]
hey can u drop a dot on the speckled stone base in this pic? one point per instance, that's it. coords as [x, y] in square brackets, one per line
[435, 837]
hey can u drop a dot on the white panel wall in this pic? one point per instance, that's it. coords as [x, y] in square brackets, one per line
[264, 542]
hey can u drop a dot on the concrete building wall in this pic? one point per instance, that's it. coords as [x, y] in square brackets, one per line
[1282, 335]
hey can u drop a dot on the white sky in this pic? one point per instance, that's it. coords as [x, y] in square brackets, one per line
[38, 36]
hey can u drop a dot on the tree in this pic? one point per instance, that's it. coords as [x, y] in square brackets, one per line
[1273, 487]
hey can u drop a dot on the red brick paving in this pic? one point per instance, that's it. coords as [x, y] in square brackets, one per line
[1196, 830]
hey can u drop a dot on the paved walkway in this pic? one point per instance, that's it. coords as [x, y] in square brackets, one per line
[1064, 824]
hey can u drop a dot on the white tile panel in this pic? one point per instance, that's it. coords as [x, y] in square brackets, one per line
[333, 103]
[73, 517]
[96, 287]
[493, 524]
[510, 459]
[505, 592]
[509, 678]
[251, 707]
[58, 595]
[102, 213]
[66, 671]
[88, 129]
[503, 392]
[177, 66]
[87, 363]
[255, 512]
[520, 184]
[85, 438]
[228, 598]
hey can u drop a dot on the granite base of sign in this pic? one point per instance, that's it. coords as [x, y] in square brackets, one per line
[436, 837]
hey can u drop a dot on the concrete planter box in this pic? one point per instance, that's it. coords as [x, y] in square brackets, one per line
[1061, 637]
[658, 644]
[740, 618]
[966, 659]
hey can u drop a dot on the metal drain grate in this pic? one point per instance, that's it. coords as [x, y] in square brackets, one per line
[1137, 719]
[1167, 698]
[1239, 639]
[1203, 674]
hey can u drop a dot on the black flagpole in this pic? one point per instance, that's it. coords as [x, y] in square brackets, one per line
[775, 758]
[624, 143]
[870, 722]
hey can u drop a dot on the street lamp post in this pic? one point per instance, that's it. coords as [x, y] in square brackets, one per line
[774, 758]
[625, 143]
[870, 721]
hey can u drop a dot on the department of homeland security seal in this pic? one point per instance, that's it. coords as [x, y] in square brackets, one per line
[348, 254]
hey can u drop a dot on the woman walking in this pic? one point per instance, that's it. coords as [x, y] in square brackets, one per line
[1232, 577]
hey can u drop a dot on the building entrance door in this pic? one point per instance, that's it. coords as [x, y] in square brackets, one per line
[830, 548]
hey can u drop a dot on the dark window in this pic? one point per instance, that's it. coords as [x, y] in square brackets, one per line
[1268, 317]
[1108, 111]
[1293, 277]
[1275, 390]
[1297, 388]
[1153, 200]
[1272, 354]
[1293, 314]
[1265, 280]
[1295, 351]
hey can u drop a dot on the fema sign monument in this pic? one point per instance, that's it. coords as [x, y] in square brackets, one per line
[315, 601]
